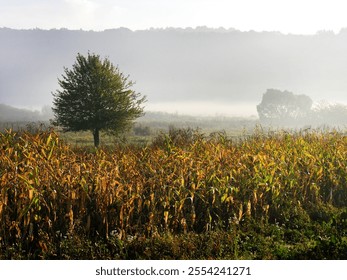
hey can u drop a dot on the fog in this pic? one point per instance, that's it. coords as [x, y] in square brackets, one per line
[209, 109]
[198, 71]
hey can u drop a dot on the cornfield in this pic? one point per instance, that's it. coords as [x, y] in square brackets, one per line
[49, 190]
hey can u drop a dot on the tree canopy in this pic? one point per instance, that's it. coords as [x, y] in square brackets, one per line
[283, 107]
[95, 96]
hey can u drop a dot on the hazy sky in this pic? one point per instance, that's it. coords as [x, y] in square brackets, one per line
[288, 16]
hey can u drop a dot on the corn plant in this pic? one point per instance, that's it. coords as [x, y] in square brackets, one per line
[50, 191]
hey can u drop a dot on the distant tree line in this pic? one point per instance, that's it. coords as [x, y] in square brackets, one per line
[284, 108]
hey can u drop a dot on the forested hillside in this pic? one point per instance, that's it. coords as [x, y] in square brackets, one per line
[181, 65]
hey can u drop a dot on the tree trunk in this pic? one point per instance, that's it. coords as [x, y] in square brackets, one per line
[96, 135]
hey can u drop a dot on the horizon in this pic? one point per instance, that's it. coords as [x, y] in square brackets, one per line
[205, 109]
[200, 28]
[267, 15]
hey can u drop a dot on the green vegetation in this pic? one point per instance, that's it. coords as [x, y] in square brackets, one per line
[95, 96]
[183, 196]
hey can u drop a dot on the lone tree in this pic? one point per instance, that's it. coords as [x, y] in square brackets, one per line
[283, 107]
[95, 96]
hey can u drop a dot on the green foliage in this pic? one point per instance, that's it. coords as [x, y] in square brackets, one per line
[95, 96]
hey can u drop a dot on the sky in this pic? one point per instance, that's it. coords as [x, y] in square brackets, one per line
[286, 16]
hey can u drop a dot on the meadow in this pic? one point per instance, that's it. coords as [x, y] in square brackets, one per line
[183, 195]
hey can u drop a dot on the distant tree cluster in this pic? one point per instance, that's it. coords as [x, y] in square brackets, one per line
[329, 114]
[285, 108]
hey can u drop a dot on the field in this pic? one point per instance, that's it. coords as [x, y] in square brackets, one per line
[181, 196]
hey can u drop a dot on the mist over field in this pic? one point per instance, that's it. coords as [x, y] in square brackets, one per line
[199, 71]
[173, 130]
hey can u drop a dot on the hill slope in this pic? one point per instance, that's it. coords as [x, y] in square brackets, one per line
[181, 65]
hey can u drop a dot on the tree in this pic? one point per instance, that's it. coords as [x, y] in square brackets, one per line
[329, 114]
[95, 96]
[283, 107]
